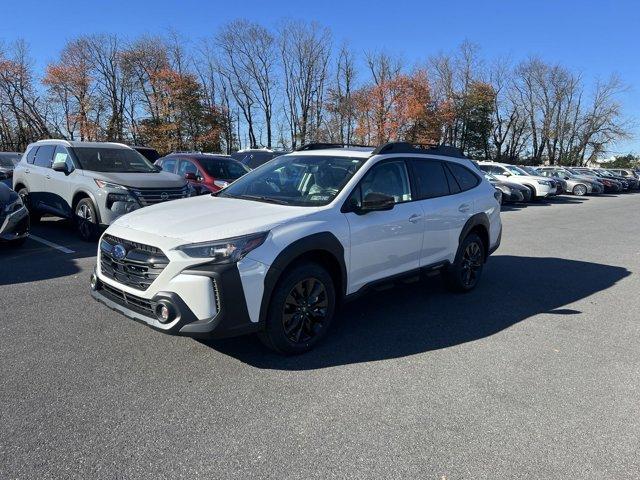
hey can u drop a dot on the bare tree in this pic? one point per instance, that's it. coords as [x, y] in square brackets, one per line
[305, 49]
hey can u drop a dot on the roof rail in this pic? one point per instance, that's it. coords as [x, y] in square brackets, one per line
[405, 147]
[323, 146]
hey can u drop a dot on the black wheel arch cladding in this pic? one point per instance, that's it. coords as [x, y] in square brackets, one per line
[316, 246]
[478, 222]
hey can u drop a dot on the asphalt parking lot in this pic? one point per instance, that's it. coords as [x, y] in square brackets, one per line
[536, 374]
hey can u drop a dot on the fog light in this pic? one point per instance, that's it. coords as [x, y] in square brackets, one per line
[164, 313]
[94, 281]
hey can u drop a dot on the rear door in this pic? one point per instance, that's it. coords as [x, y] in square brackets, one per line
[467, 201]
[38, 172]
[434, 188]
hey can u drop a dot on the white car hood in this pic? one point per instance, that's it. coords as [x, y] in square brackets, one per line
[205, 218]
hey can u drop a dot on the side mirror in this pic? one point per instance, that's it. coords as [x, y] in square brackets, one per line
[376, 202]
[60, 167]
[190, 176]
[506, 174]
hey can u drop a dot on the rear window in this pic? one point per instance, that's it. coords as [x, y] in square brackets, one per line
[122, 160]
[466, 178]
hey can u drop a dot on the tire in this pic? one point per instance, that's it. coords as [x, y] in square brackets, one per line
[17, 243]
[465, 272]
[86, 220]
[580, 190]
[291, 328]
[34, 216]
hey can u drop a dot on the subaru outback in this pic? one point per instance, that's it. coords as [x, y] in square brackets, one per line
[277, 251]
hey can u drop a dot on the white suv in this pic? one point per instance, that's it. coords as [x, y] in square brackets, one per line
[278, 250]
[540, 187]
[92, 183]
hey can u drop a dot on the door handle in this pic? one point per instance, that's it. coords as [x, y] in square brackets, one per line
[48, 176]
[414, 218]
[464, 208]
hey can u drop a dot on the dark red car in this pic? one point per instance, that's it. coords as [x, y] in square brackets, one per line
[206, 172]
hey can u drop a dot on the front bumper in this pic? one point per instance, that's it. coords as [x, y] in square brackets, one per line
[231, 317]
[15, 226]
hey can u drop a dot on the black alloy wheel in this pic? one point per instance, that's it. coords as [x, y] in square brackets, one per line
[301, 309]
[305, 310]
[471, 264]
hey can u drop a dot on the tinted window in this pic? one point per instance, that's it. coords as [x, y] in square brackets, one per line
[430, 178]
[388, 178]
[44, 155]
[465, 177]
[169, 165]
[187, 167]
[105, 159]
[32, 155]
[223, 169]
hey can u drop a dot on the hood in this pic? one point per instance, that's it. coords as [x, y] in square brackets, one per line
[140, 180]
[204, 218]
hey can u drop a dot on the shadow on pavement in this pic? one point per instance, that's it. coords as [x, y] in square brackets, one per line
[35, 261]
[424, 316]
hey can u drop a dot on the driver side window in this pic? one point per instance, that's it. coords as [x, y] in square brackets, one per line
[388, 178]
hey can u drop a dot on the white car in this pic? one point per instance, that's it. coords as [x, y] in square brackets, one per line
[278, 250]
[540, 187]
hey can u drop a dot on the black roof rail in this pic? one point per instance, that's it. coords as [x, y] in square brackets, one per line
[405, 147]
[323, 146]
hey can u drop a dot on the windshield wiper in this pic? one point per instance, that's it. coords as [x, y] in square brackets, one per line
[261, 198]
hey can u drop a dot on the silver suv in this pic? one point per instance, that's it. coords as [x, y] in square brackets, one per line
[91, 183]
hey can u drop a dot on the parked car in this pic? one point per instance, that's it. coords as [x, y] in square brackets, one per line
[149, 153]
[254, 157]
[7, 164]
[205, 172]
[14, 217]
[511, 192]
[576, 185]
[540, 187]
[91, 183]
[279, 249]
[627, 173]
[629, 183]
[610, 185]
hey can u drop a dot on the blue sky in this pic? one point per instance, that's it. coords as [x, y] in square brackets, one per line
[596, 38]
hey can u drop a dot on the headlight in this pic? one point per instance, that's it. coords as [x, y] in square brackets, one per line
[14, 206]
[504, 190]
[229, 250]
[103, 184]
[544, 182]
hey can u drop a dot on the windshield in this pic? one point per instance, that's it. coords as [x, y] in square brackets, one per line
[302, 180]
[223, 169]
[489, 177]
[5, 162]
[122, 160]
[516, 170]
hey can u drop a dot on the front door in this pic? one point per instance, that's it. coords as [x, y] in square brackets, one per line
[384, 243]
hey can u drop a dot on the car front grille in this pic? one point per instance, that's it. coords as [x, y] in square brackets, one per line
[140, 305]
[151, 196]
[138, 268]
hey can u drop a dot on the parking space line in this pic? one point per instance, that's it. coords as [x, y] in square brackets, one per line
[51, 244]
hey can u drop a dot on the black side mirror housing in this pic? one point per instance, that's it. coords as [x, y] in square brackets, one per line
[191, 176]
[376, 202]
